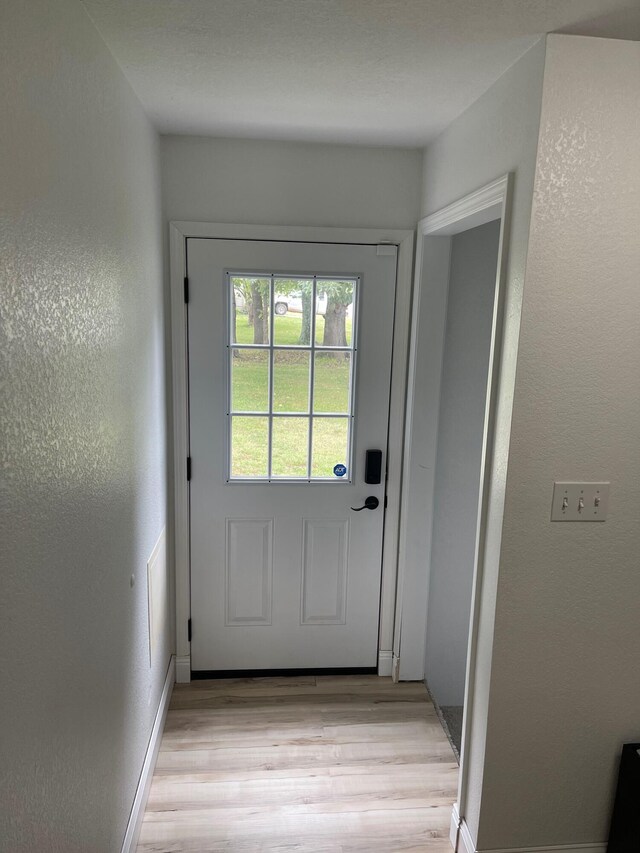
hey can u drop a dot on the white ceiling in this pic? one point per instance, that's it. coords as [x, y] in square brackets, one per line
[381, 72]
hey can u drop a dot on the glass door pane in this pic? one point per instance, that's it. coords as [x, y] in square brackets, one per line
[330, 448]
[290, 447]
[250, 309]
[249, 380]
[288, 379]
[250, 447]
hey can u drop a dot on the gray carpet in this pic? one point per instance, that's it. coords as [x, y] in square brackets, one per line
[453, 718]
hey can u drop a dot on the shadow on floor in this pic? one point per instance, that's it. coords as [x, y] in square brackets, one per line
[452, 715]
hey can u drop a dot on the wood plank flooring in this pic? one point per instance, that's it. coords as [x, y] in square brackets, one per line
[342, 764]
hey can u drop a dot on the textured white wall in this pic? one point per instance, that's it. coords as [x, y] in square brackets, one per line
[83, 432]
[565, 691]
[498, 134]
[472, 284]
[286, 183]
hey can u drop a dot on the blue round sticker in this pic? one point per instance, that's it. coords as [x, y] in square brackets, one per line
[340, 470]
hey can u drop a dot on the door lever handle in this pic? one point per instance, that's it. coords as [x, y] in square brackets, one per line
[370, 503]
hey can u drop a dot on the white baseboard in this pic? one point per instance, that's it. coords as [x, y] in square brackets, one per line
[462, 842]
[395, 668]
[453, 827]
[559, 848]
[183, 669]
[385, 663]
[144, 783]
[459, 833]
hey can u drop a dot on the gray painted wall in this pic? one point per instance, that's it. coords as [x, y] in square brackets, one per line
[472, 280]
[565, 691]
[83, 432]
[287, 183]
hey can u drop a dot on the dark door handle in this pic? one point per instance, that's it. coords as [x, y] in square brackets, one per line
[370, 503]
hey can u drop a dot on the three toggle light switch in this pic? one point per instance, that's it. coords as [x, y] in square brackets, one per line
[580, 502]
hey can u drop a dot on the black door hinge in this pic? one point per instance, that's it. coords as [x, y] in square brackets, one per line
[386, 501]
[189, 630]
[186, 290]
[188, 468]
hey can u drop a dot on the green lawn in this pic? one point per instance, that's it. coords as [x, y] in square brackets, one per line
[287, 329]
[290, 382]
[290, 394]
[290, 441]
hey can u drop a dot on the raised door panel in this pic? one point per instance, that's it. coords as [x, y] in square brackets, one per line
[249, 571]
[325, 556]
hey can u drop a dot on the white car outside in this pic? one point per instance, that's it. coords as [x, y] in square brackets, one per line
[286, 303]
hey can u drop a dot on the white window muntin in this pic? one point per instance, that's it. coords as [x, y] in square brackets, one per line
[312, 348]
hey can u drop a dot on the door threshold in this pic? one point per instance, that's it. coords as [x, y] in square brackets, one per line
[200, 674]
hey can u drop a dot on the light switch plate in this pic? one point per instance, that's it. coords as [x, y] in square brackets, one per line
[580, 502]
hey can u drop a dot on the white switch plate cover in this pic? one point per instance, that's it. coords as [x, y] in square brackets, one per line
[567, 498]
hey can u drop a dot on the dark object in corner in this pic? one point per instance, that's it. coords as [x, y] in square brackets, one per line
[624, 835]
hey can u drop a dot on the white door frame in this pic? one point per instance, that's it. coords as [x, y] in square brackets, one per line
[179, 232]
[429, 310]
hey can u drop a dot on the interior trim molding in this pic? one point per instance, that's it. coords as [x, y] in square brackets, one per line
[476, 208]
[183, 669]
[395, 668]
[462, 842]
[179, 233]
[560, 848]
[491, 202]
[460, 834]
[454, 826]
[144, 782]
[385, 663]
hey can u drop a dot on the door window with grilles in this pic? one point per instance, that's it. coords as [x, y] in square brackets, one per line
[291, 377]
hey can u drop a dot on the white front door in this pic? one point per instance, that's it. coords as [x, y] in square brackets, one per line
[289, 372]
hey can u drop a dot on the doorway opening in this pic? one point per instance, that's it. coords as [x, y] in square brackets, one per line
[465, 364]
[454, 469]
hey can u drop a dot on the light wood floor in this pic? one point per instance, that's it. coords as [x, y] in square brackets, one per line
[329, 765]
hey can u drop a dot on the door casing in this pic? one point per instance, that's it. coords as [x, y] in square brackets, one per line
[179, 232]
[490, 202]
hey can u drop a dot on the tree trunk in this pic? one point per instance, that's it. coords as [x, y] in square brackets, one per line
[258, 314]
[234, 319]
[335, 324]
[234, 316]
[305, 330]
